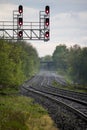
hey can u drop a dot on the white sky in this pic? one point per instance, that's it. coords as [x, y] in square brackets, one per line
[68, 21]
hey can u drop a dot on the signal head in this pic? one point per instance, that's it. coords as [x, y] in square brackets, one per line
[20, 34]
[47, 34]
[47, 9]
[20, 9]
[47, 21]
[20, 21]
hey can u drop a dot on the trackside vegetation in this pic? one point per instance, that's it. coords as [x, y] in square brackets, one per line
[21, 113]
[18, 62]
[72, 62]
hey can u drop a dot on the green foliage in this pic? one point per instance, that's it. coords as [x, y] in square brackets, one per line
[21, 113]
[60, 57]
[46, 58]
[83, 66]
[70, 87]
[30, 60]
[78, 64]
[73, 61]
[18, 62]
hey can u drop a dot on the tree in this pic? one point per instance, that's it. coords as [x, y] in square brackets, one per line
[83, 66]
[77, 64]
[30, 59]
[60, 57]
[18, 62]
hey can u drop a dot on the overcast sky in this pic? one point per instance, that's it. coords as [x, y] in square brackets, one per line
[68, 21]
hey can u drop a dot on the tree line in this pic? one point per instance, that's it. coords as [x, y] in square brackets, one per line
[18, 62]
[72, 61]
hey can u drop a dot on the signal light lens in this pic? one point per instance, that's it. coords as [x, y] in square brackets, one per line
[20, 21]
[20, 33]
[20, 9]
[47, 34]
[47, 21]
[47, 9]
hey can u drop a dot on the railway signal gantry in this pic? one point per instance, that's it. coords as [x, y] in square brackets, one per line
[18, 29]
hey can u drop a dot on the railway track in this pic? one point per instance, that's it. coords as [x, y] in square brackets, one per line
[78, 107]
[40, 87]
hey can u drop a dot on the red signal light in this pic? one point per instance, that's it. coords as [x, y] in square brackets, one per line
[47, 9]
[20, 21]
[47, 21]
[47, 34]
[20, 33]
[20, 9]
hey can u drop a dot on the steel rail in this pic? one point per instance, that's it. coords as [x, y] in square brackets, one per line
[66, 97]
[75, 111]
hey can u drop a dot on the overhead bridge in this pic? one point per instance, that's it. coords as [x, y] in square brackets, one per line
[48, 65]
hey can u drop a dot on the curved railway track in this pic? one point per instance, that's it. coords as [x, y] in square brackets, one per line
[76, 103]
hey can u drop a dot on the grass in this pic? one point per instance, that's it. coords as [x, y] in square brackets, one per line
[70, 86]
[76, 88]
[9, 90]
[21, 113]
